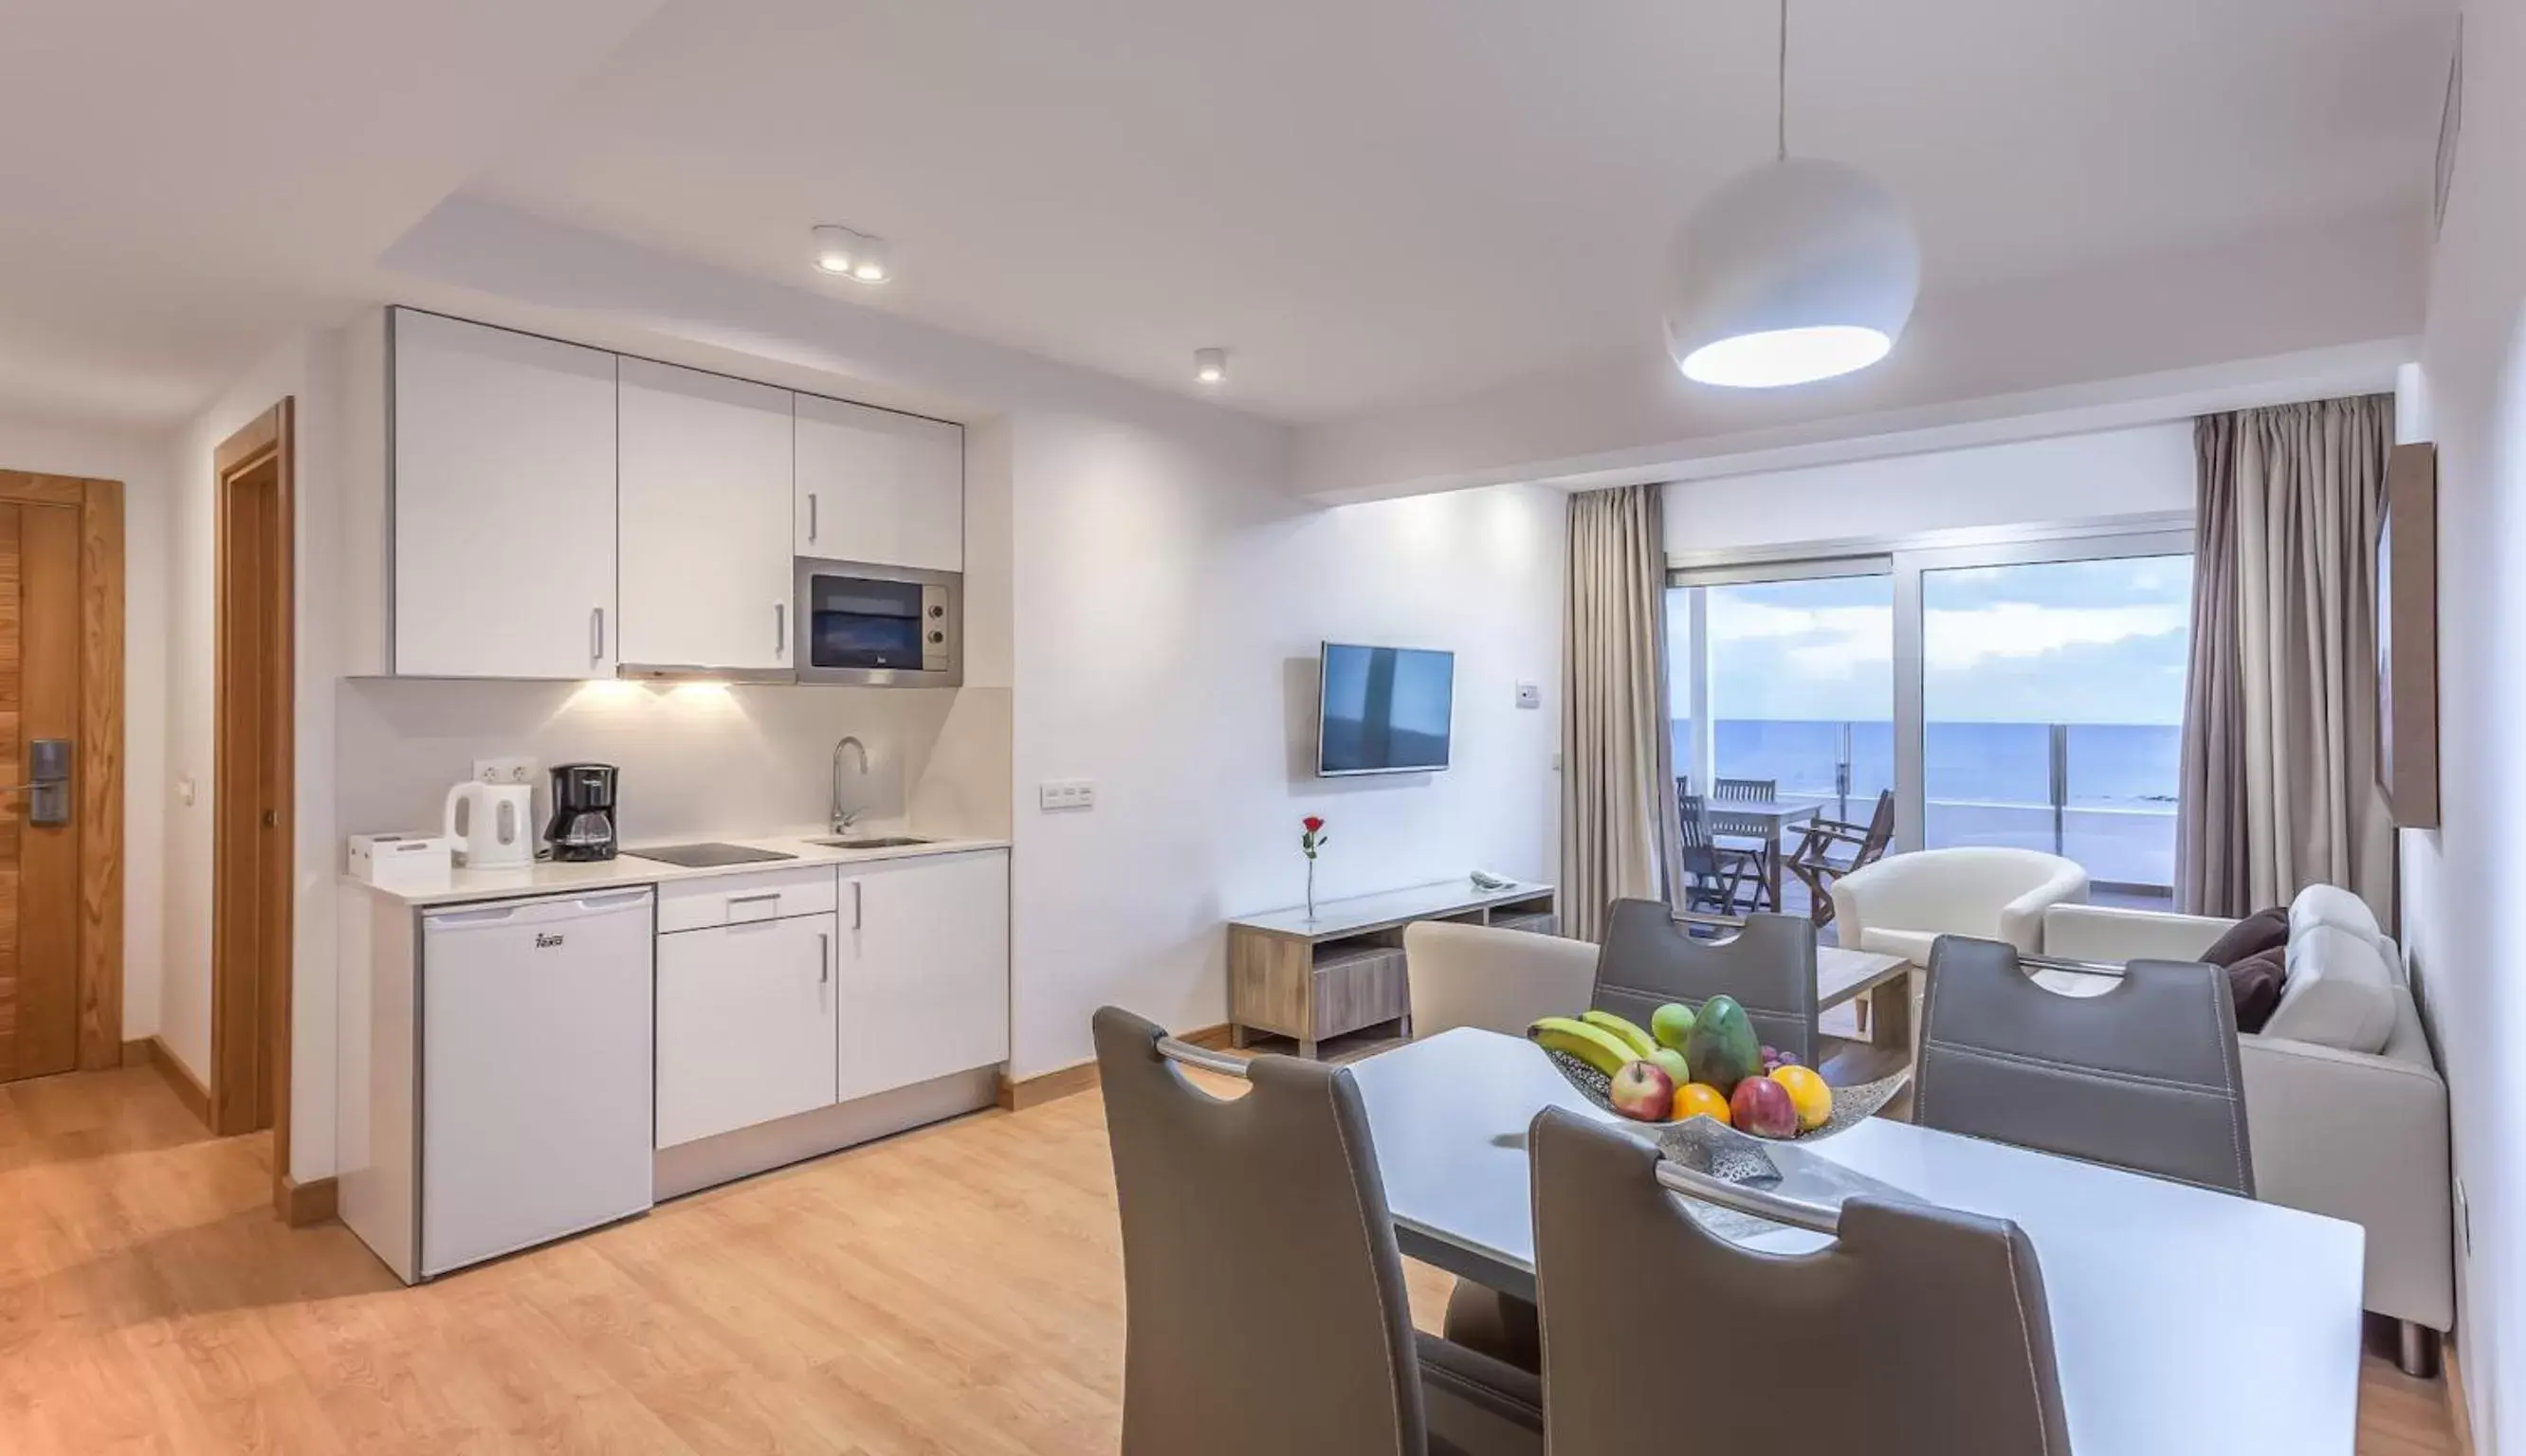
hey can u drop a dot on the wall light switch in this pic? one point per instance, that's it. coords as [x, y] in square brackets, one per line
[504, 771]
[185, 790]
[1067, 793]
[1529, 695]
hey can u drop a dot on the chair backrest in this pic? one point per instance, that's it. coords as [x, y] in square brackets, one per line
[1694, 817]
[1917, 1331]
[1743, 790]
[1499, 981]
[1648, 959]
[1264, 1298]
[1881, 831]
[2145, 1076]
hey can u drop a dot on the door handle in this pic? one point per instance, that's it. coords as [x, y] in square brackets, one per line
[596, 634]
[856, 904]
[811, 516]
[824, 958]
[781, 629]
[48, 781]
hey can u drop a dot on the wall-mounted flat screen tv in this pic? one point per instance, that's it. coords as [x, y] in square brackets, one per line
[1385, 710]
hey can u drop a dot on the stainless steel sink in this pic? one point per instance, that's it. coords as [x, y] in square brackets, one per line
[873, 841]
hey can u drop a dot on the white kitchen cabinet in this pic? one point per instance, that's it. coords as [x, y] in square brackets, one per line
[925, 970]
[705, 521]
[745, 1024]
[503, 503]
[879, 487]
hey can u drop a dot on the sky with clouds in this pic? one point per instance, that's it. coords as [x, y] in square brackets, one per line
[2081, 641]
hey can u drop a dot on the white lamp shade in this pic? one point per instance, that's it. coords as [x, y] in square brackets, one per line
[1798, 270]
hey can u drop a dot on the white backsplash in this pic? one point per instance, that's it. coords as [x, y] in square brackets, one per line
[697, 760]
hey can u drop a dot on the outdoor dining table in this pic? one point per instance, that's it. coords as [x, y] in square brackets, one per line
[1763, 819]
[2183, 1320]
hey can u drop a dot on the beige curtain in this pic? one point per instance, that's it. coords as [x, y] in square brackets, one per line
[2278, 786]
[1618, 782]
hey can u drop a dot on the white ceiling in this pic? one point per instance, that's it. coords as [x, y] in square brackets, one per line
[1372, 202]
[1380, 203]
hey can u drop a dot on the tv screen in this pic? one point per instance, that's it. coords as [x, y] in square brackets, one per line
[1387, 709]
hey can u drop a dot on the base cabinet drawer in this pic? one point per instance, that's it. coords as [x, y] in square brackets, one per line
[745, 1024]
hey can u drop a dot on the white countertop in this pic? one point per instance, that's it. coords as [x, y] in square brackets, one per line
[627, 868]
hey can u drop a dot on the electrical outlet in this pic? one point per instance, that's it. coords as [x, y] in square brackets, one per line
[504, 771]
[1529, 695]
[1067, 793]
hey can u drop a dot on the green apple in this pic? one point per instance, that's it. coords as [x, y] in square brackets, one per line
[1671, 1062]
[1672, 1024]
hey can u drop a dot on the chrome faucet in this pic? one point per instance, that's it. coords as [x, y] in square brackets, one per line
[843, 818]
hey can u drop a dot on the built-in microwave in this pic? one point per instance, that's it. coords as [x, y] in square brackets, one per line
[884, 626]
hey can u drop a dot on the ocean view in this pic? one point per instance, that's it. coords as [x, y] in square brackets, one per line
[1987, 783]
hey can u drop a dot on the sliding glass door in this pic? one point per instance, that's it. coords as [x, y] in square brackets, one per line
[2009, 691]
[2052, 705]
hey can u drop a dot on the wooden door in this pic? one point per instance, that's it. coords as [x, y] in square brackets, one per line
[40, 832]
[704, 515]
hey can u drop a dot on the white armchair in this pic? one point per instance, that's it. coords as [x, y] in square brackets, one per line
[2344, 1107]
[1903, 903]
[1499, 981]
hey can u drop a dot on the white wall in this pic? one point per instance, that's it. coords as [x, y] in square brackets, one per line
[2065, 479]
[2462, 884]
[1171, 598]
[140, 464]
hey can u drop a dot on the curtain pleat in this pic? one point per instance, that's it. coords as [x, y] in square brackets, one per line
[1618, 812]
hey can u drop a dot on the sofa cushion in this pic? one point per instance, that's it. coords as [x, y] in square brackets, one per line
[2332, 905]
[2256, 984]
[2263, 931]
[2340, 992]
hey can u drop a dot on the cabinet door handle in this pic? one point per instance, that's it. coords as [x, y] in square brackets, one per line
[781, 629]
[856, 904]
[824, 958]
[596, 634]
[811, 516]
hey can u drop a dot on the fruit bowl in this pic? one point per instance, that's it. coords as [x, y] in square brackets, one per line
[1703, 1064]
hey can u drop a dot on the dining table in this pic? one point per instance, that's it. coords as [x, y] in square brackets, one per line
[2184, 1319]
[1763, 819]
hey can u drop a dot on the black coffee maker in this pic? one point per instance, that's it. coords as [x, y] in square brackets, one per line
[583, 813]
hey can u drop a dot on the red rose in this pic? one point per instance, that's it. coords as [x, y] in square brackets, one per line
[1311, 823]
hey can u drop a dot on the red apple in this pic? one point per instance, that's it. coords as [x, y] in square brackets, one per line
[1645, 1093]
[1762, 1107]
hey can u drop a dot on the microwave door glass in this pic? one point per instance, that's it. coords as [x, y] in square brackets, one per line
[863, 623]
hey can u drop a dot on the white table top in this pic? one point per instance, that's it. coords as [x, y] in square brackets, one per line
[2184, 1319]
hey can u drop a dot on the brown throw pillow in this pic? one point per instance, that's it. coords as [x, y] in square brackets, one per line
[2255, 985]
[2253, 935]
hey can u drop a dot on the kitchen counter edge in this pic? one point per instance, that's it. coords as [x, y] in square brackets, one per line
[625, 870]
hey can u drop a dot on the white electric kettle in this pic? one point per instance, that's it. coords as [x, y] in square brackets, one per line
[497, 832]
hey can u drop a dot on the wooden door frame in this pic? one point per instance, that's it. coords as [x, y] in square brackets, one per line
[98, 770]
[270, 438]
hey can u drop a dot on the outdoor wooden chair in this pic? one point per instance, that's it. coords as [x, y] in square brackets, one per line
[1814, 861]
[1750, 855]
[1711, 875]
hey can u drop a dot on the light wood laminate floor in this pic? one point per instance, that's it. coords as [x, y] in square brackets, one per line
[954, 1290]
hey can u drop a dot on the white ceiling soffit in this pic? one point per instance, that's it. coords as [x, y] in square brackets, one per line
[2291, 315]
[1380, 206]
[187, 182]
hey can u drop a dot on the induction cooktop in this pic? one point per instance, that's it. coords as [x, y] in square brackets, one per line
[707, 856]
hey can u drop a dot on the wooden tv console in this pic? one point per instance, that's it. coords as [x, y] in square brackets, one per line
[1342, 970]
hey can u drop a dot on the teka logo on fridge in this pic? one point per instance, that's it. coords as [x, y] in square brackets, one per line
[546, 940]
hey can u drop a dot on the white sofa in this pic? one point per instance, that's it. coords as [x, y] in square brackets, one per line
[1903, 903]
[2345, 1110]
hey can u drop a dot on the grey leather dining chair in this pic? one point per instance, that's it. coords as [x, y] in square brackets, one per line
[1264, 1298]
[1769, 965]
[1916, 1331]
[2144, 1075]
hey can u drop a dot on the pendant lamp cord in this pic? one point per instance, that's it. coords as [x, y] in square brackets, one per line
[1784, 92]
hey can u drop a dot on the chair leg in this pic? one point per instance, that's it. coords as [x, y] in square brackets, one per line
[2416, 1350]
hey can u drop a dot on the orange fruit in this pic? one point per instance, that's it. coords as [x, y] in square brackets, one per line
[1808, 1095]
[1700, 1099]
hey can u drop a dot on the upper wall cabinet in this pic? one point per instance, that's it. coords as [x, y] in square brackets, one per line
[705, 521]
[879, 488]
[503, 503]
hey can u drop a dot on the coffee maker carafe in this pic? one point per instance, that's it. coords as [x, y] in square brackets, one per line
[583, 812]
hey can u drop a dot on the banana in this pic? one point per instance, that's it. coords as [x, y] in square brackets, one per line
[1643, 1044]
[1593, 1045]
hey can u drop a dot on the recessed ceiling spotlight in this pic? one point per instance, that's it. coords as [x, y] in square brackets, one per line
[1210, 366]
[835, 247]
[869, 261]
